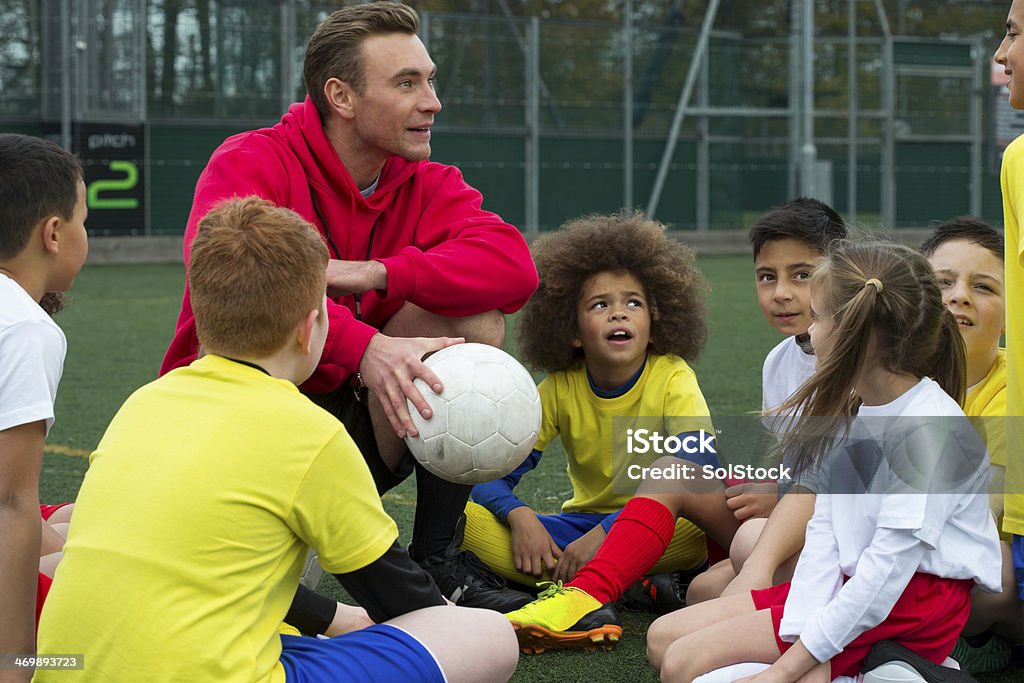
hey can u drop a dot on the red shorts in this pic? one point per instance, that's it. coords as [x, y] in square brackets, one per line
[927, 619]
[44, 582]
[46, 511]
[42, 590]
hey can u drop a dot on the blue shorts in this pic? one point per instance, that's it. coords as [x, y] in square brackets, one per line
[378, 653]
[566, 527]
[1018, 564]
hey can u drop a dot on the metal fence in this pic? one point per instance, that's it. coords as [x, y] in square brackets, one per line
[701, 124]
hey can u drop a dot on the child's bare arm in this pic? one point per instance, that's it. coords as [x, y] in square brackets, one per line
[21, 454]
[782, 537]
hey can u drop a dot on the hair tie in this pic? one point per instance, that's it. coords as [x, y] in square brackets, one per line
[877, 284]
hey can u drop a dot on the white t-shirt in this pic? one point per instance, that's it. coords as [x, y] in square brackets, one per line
[913, 478]
[785, 368]
[32, 349]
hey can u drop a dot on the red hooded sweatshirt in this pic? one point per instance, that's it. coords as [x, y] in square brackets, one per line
[424, 223]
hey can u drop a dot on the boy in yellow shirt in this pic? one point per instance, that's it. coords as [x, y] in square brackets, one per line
[968, 257]
[616, 321]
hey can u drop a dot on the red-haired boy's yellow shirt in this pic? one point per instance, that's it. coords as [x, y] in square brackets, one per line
[193, 523]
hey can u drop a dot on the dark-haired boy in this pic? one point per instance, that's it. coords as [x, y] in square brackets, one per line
[43, 245]
[187, 543]
[788, 242]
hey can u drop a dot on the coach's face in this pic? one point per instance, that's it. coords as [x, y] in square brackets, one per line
[394, 113]
[1010, 54]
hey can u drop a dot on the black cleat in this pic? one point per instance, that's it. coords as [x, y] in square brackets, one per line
[660, 593]
[891, 654]
[465, 580]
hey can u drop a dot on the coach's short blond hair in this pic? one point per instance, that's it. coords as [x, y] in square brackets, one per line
[255, 271]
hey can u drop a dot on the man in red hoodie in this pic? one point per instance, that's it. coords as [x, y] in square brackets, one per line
[416, 263]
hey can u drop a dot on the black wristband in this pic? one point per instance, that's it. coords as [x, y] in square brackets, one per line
[311, 612]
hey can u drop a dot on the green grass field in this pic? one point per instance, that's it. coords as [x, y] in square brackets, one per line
[120, 320]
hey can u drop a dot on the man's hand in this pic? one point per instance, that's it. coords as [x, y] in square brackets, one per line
[752, 499]
[578, 553]
[533, 549]
[355, 277]
[388, 368]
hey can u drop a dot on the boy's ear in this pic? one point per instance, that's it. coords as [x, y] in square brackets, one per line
[50, 234]
[576, 343]
[305, 331]
[340, 96]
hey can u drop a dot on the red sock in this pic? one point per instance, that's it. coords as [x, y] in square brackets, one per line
[636, 541]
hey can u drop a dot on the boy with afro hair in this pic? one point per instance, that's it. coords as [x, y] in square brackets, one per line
[617, 319]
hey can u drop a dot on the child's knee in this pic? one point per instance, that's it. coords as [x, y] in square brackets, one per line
[744, 541]
[709, 585]
[496, 632]
[675, 664]
[658, 640]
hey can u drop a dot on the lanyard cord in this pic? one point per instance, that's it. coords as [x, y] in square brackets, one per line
[327, 232]
[337, 254]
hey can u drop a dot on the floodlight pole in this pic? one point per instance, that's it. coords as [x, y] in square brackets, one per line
[888, 173]
[65, 75]
[532, 149]
[699, 54]
[981, 60]
[627, 105]
[808, 151]
[853, 129]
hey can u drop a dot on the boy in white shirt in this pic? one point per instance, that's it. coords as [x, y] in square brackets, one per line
[788, 242]
[43, 244]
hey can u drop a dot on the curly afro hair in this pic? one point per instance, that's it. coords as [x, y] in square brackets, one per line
[620, 242]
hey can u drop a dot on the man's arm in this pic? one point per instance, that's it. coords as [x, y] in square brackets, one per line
[21, 454]
[477, 263]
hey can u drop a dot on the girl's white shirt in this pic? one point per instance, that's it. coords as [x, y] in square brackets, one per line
[906, 493]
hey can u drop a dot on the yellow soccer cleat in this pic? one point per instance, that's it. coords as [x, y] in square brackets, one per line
[562, 618]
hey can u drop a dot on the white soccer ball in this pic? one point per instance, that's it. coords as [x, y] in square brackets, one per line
[486, 420]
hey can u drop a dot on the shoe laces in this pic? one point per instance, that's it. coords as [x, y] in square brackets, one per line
[550, 589]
